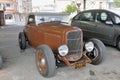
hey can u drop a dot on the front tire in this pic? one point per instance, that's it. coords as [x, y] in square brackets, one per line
[118, 43]
[22, 41]
[98, 53]
[45, 61]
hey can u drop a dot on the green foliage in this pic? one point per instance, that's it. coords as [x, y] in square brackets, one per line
[71, 8]
[117, 3]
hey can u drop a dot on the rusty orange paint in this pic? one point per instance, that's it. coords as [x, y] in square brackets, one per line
[53, 36]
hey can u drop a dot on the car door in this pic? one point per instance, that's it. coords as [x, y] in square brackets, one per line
[104, 29]
[85, 21]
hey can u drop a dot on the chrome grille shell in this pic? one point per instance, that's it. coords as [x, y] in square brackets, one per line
[74, 42]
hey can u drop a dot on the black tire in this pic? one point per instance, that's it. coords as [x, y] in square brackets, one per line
[45, 61]
[1, 62]
[98, 53]
[22, 41]
[118, 43]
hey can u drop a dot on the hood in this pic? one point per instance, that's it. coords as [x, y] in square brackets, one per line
[55, 28]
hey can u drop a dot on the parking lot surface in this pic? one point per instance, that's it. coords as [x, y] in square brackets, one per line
[21, 65]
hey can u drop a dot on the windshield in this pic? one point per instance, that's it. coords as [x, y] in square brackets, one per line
[116, 11]
[48, 18]
[117, 16]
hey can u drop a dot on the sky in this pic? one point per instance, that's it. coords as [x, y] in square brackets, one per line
[41, 2]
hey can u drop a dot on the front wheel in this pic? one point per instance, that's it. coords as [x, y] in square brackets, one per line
[45, 61]
[118, 43]
[98, 52]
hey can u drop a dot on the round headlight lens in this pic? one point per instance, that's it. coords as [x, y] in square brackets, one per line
[89, 46]
[63, 50]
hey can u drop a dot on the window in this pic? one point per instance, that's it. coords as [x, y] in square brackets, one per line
[7, 5]
[31, 19]
[88, 16]
[117, 19]
[8, 16]
[103, 16]
[77, 17]
[50, 17]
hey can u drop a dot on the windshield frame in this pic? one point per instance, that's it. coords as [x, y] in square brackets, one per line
[48, 17]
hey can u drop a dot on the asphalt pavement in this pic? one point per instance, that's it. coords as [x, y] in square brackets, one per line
[21, 65]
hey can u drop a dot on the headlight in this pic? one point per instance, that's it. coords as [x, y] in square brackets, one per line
[63, 50]
[89, 46]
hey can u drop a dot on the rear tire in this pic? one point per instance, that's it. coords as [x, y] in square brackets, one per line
[22, 41]
[45, 61]
[98, 53]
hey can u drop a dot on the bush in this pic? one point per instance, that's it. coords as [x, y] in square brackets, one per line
[71, 8]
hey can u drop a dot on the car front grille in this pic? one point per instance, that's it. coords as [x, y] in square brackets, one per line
[74, 42]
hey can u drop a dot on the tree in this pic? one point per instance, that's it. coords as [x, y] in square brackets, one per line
[71, 8]
[117, 3]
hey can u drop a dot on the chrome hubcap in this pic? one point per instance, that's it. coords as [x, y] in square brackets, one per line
[42, 62]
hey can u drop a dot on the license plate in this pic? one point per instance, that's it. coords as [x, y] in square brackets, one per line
[80, 64]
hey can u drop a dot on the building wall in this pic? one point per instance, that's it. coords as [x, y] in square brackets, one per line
[15, 10]
[24, 7]
[50, 5]
[10, 7]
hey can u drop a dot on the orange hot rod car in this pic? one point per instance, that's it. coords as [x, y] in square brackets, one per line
[57, 43]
